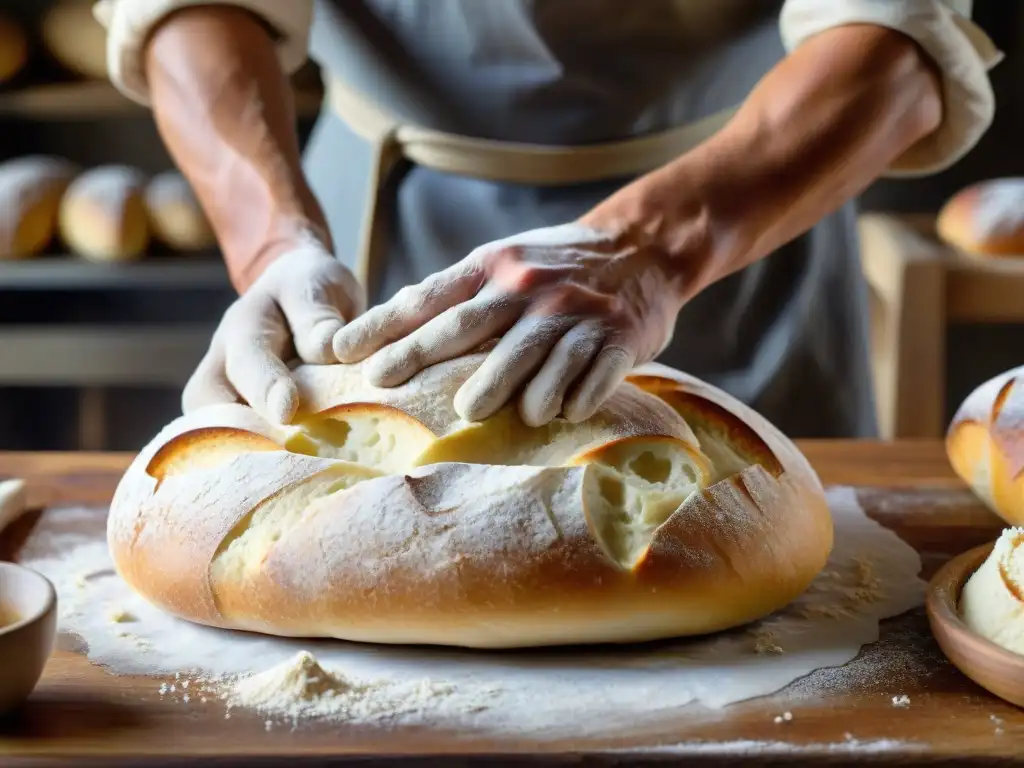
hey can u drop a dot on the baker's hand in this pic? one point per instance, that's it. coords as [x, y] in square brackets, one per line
[575, 309]
[294, 308]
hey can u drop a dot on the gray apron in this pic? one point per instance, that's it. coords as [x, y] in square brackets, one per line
[787, 335]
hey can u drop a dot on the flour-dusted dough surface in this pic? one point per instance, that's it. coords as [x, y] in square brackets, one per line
[992, 600]
[600, 693]
[381, 516]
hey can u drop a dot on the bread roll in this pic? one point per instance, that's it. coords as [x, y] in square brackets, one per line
[986, 219]
[985, 444]
[103, 214]
[175, 216]
[76, 39]
[992, 601]
[30, 192]
[381, 516]
[13, 48]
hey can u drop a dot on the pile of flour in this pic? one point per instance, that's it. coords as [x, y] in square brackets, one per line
[300, 689]
[871, 575]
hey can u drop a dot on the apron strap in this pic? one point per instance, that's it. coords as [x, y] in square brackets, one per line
[500, 161]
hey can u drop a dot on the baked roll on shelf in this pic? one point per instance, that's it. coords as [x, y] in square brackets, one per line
[31, 189]
[985, 220]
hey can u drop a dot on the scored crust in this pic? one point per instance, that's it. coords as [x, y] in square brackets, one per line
[985, 444]
[381, 516]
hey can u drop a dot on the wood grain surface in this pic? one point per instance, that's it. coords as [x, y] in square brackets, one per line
[82, 715]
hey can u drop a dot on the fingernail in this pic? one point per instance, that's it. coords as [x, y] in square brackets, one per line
[321, 341]
[471, 403]
[534, 415]
[282, 401]
[346, 346]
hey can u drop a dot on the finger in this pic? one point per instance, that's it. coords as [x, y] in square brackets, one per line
[253, 361]
[543, 397]
[452, 333]
[208, 384]
[408, 310]
[313, 312]
[517, 356]
[610, 367]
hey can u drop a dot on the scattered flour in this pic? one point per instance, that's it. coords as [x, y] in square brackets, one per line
[542, 694]
[752, 747]
[300, 689]
[998, 722]
[901, 702]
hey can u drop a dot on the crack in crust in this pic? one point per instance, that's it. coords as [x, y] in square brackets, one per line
[382, 516]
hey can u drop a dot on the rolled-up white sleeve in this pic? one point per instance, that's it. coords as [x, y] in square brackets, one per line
[962, 51]
[129, 23]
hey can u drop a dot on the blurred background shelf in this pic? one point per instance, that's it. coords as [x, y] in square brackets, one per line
[63, 101]
[98, 356]
[186, 273]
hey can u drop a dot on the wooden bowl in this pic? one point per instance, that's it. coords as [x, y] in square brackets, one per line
[28, 630]
[994, 668]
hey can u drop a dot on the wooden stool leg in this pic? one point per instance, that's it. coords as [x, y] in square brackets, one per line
[906, 275]
[92, 419]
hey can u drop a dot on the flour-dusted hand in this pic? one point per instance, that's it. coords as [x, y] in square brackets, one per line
[574, 310]
[296, 306]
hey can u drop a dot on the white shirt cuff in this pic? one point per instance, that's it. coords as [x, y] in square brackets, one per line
[129, 23]
[960, 49]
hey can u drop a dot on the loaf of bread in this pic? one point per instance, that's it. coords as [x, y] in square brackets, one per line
[103, 214]
[175, 216]
[30, 193]
[380, 516]
[13, 48]
[985, 444]
[75, 39]
[992, 600]
[985, 219]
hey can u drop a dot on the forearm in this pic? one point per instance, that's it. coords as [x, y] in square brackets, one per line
[815, 132]
[225, 110]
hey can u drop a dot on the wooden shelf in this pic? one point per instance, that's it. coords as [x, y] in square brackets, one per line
[101, 356]
[157, 273]
[99, 99]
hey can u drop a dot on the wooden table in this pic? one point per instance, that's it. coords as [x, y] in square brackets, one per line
[83, 715]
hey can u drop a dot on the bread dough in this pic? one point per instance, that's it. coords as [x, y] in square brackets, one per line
[597, 693]
[382, 516]
[992, 600]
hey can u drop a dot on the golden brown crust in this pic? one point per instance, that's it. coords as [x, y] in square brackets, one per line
[205, 448]
[985, 219]
[631, 536]
[985, 444]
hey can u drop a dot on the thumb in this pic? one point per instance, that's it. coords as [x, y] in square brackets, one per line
[254, 344]
[316, 310]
